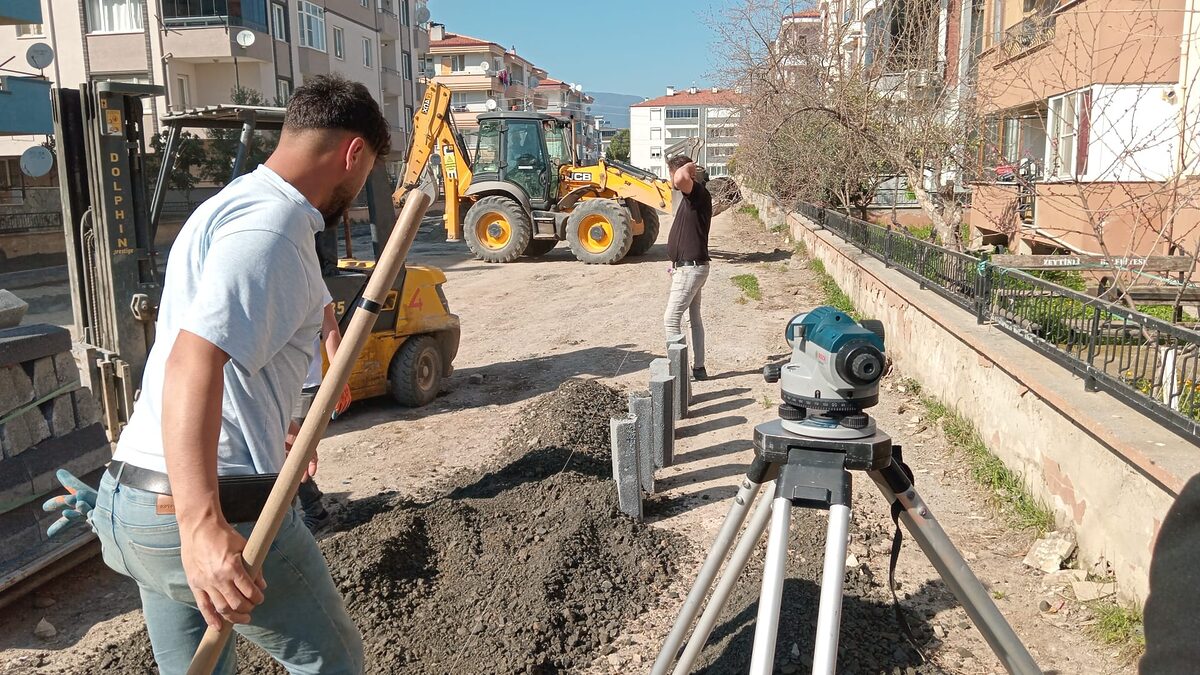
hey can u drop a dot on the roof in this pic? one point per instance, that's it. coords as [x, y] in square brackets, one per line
[457, 40]
[551, 82]
[227, 116]
[806, 14]
[683, 97]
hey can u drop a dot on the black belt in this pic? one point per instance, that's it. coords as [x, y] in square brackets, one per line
[242, 497]
[690, 263]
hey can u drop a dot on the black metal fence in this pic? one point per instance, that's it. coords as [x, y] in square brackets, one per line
[1145, 362]
[20, 223]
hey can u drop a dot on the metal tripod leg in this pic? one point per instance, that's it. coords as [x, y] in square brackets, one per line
[829, 616]
[755, 477]
[733, 570]
[762, 657]
[932, 539]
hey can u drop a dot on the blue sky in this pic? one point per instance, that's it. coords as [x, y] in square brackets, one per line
[620, 46]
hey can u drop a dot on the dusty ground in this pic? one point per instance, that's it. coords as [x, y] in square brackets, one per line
[529, 326]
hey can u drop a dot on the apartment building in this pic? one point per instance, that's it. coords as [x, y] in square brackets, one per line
[477, 71]
[201, 50]
[658, 124]
[1090, 126]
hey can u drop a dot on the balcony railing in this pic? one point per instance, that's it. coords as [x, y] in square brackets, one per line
[1032, 32]
[199, 13]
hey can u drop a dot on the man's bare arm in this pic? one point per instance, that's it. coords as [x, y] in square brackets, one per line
[683, 178]
[193, 385]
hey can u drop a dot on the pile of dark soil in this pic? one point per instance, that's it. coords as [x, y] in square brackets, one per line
[529, 568]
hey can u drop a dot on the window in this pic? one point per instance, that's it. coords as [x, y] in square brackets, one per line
[408, 118]
[30, 30]
[339, 43]
[312, 25]
[656, 114]
[114, 16]
[12, 182]
[458, 63]
[425, 67]
[367, 51]
[283, 91]
[279, 22]
[894, 190]
[1068, 134]
[655, 151]
[406, 61]
[403, 12]
[487, 149]
[683, 113]
[183, 92]
[656, 134]
[365, 3]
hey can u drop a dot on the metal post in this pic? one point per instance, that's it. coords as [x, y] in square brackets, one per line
[160, 184]
[983, 304]
[887, 248]
[1089, 382]
[245, 143]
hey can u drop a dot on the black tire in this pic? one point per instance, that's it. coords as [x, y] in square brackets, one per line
[539, 247]
[607, 232]
[415, 374]
[497, 229]
[643, 241]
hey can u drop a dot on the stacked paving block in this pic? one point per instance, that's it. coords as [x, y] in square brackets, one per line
[47, 422]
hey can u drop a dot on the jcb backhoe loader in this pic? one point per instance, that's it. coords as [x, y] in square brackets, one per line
[522, 190]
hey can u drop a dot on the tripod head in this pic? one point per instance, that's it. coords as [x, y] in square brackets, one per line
[833, 374]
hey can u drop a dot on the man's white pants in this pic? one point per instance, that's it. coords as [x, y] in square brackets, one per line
[686, 284]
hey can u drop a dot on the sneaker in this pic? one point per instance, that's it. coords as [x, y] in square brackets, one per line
[315, 518]
[699, 374]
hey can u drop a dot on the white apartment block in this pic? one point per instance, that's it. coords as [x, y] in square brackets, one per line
[656, 125]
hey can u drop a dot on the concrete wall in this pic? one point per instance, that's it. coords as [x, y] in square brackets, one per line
[1107, 471]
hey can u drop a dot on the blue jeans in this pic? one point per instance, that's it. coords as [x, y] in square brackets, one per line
[302, 623]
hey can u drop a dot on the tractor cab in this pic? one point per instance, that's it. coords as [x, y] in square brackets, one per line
[525, 149]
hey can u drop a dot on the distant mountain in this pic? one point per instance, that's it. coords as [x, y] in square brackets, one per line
[614, 107]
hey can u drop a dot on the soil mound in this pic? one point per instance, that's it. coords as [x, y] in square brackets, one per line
[529, 568]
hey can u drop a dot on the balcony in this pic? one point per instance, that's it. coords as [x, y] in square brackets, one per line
[20, 12]
[389, 21]
[1031, 33]
[200, 13]
[393, 81]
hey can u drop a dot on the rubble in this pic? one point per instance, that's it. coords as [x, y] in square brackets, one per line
[1049, 552]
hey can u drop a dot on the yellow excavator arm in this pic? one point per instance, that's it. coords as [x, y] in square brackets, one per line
[433, 135]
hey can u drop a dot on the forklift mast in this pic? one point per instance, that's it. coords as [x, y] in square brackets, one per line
[115, 282]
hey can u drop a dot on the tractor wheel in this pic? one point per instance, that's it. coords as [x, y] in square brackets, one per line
[539, 247]
[599, 232]
[497, 229]
[415, 375]
[643, 241]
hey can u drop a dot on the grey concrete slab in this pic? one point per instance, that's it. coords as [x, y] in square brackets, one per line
[625, 468]
[662, 406]
[640, 406]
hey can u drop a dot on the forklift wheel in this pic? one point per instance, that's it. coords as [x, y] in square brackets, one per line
[415, 376]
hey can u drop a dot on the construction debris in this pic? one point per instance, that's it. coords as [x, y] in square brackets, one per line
[45, 630]
[1049, 552]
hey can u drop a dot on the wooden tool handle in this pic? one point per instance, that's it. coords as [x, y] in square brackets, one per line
[294, 468]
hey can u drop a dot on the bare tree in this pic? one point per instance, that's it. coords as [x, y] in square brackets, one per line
[829, 113]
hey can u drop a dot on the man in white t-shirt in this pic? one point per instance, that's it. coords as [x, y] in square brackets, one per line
[242, 300]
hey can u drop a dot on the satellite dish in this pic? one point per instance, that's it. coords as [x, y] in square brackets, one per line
[36, 161]
[491, 104]
[39, 55]
[245, 38]
[579, 87]
[422, 13]
[486, 66]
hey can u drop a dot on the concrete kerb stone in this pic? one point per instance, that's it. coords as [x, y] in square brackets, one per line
[678, 355]
[640, 407]
[663, 419]
[12, 309]
[623, 432]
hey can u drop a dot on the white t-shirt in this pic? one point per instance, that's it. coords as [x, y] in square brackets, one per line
[243, 274]
[313, 378]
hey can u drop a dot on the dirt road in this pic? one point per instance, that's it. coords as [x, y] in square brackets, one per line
[529, 326]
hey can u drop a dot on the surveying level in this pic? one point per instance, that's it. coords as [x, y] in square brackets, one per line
[805, 458]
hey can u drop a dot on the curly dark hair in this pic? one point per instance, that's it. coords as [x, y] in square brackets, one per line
[333, 102]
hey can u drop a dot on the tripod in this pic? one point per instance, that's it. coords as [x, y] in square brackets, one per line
[809, 472]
